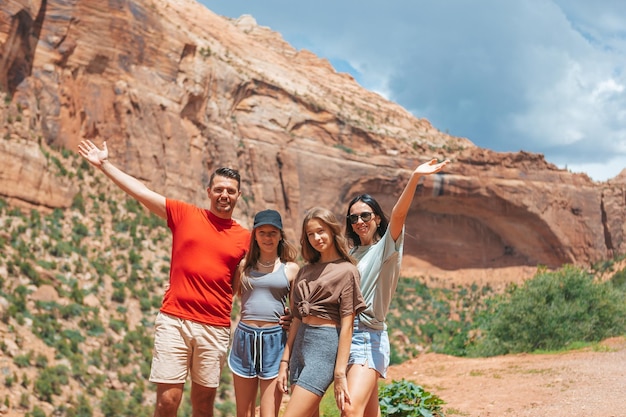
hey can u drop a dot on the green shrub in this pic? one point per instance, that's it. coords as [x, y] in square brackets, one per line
[135, 408]
[112, 404]
[74, 338]
[47, 328]
[406, 399]
[37, 412]
[35, 219]
[93, 326]
[133, 205]
[119, 294]
[550, 312]
[428, 317]
[47, 265]
[23, 361]
[50, 381]
[71, 310]
[77, 295]
[25, 401]
[619, 279]
[26, 268]
[117, 325]
[59, 165]
[79, 231]
[61, 249]
[78, 203]
[226, 408]
[81, 409]
[102, 266]
[41, 361]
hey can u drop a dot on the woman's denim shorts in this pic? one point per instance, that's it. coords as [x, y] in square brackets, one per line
[256, 351]
[370, 347]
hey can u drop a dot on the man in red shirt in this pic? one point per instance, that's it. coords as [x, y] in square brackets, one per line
[192, 329]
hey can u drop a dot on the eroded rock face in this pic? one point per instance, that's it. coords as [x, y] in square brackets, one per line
[177, 91]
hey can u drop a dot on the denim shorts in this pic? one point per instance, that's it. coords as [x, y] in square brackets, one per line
[256, 351]
[370, 347]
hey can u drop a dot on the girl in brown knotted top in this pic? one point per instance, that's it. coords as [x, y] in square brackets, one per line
[325, 298]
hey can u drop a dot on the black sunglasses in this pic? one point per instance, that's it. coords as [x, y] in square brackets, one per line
[366, 216]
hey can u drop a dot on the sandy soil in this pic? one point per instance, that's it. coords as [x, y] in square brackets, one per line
[588, 382]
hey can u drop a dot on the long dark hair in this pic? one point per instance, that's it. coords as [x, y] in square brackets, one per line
[351, 235]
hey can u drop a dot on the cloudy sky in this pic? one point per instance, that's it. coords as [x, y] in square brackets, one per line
[543, 76]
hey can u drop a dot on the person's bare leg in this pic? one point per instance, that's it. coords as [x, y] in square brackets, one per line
[168, 399]
[271, 397]
[245, 395]
[372, 409]
[362, 381]
[202, 400]
[302, 403]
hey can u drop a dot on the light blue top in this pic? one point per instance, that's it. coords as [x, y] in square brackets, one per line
[265, 295]
[379, 265]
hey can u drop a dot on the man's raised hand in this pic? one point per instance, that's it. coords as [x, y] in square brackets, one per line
[92, 153]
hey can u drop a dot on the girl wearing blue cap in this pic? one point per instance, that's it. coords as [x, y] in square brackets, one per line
[263, 284]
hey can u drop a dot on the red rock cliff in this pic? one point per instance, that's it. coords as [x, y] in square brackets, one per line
[176, 91]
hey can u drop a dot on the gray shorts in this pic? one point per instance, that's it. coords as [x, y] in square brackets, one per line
[256, 351]
[312, 362]
[370, 347]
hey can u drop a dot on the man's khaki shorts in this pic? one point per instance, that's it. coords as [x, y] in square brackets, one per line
[183, 347]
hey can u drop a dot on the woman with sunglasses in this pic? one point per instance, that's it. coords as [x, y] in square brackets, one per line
[376, 244]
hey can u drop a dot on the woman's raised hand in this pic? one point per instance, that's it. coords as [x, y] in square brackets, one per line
[431, 167]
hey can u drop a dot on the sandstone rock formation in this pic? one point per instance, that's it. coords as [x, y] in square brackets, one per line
[177, 91]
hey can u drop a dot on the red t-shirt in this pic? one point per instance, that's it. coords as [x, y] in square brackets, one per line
[205, 253]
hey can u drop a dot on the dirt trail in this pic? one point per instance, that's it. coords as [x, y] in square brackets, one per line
[585, 383]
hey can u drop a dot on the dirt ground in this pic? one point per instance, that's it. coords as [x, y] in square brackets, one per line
[583, 383]
[587, 382]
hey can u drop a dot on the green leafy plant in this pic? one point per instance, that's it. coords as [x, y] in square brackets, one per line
[407, 399]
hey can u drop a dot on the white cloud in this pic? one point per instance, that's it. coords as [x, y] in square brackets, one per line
[599, 171]
[546, 76]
